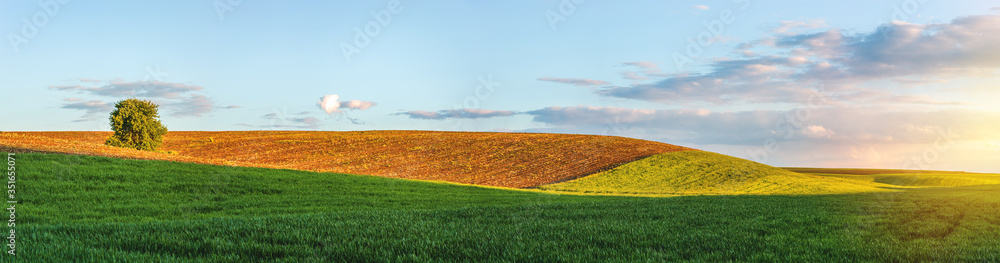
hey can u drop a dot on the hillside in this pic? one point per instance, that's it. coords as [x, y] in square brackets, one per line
[707, 173]
[519, 160]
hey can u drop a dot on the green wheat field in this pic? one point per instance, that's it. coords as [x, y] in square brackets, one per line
[85, 208]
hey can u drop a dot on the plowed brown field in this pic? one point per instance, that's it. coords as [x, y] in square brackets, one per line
[520, 160]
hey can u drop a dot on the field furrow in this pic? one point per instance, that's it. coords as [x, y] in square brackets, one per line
[518, 160]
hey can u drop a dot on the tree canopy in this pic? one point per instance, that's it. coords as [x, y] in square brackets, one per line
[136, 125]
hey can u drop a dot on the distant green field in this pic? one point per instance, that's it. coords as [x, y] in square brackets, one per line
[81, 208]
[855, 171]
[707, 173]
[914, 178]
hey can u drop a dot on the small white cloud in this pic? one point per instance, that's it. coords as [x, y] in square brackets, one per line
[332, 103]
[329, 103]
[700, 7]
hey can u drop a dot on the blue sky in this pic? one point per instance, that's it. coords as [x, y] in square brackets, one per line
[791, 83]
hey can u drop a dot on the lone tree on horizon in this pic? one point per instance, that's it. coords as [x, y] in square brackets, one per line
[137, 125]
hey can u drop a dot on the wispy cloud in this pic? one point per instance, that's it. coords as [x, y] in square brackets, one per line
[280, 121]
[730, 80]
[787, 27]
[633, 76]
[650, 67]
[94, 109]
[177, 99]
[141, 89]
[647, 70]
[456, 114]
[700, 7]
[194, 105]
[577, 81]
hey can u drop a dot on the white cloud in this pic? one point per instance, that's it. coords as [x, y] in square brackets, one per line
[332, 103]
[329, 103]
[700, 7]
[897, 52]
